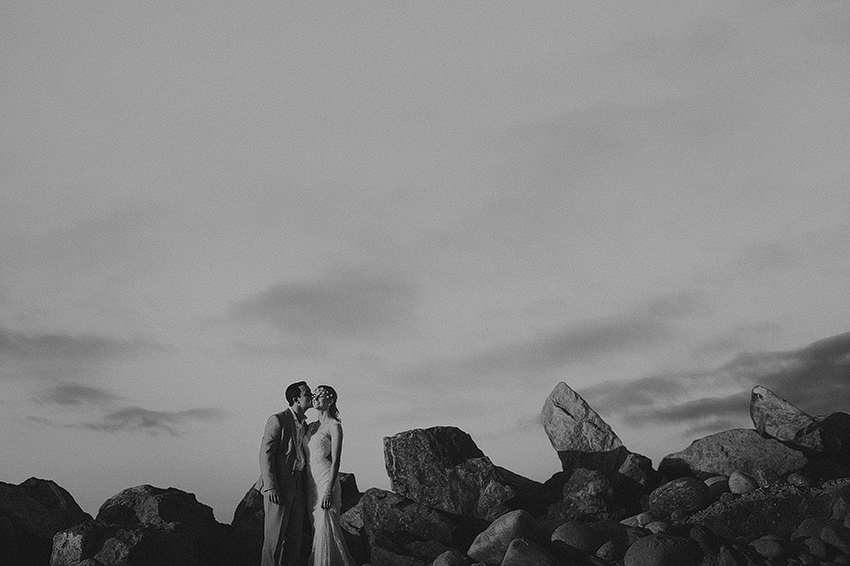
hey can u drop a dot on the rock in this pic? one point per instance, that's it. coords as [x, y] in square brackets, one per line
[717, 486]
[657, 527]
[148, 505]
[491, 544]
[145, 525]
[740, 483]
[442, 467]
[682, 494]
[765, 477]
[768, 546]
[775, 417]
[523, 552]
[31, 513]
[578, 535]
[578, 434]
[778, 510]
[732, 450]
[244, 543]
[812, 526]
[163, 544]
[837, 537]
[798, 480]
[450, 557]
[662, 550]
[394, 526]
[587, 494]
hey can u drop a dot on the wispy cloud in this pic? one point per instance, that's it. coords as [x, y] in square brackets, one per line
[133, 419]
[138, 419]
[815, 378]
[645, 326]
[345, 304]
[60, 345]
[74, 394]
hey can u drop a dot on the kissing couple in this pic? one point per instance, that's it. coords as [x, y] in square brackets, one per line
[299, 477]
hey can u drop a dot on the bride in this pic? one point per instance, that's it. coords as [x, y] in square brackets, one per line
[323, 488]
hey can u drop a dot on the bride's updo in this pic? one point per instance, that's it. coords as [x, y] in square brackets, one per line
[331, 393]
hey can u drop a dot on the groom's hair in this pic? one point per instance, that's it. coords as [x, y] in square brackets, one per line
[293, 392]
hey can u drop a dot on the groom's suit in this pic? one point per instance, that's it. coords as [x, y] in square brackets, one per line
[280, 458]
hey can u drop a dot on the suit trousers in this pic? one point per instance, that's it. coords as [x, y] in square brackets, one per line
[284, 525]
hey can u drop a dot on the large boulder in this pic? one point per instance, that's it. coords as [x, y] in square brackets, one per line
[662, 550]
[145, 525]
[396, 528]
[490, 546]
[775, 417]
[31, 513]
[733, 450]
[779, 509]
[443, 468]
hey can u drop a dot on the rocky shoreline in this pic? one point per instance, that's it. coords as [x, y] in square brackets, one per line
[777, 494]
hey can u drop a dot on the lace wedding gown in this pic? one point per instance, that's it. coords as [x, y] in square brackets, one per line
[329, 548]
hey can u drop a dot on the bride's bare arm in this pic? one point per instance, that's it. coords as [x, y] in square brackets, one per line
[336, 453]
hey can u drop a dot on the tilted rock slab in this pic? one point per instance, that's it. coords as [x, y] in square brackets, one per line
[443, 468]
[575, 430]
[733, 450]
[775, 417]
[31, 513]
[583, 440]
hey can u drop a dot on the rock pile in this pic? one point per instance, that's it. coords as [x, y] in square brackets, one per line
[774, 495]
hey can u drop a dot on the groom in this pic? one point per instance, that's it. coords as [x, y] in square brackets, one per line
[282, 482]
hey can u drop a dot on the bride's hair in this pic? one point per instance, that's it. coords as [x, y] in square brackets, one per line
[332, 410]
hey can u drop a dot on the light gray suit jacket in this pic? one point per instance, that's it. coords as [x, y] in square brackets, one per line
[278, 454]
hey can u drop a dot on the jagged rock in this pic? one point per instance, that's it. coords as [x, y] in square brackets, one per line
[244, 544]
[148, 505]
[492, 543]
[589, 494]
[31, 513]
[145, 525]
[394, 526]
[733, 450]
[775, 417]
[163, 544]
[778, 509]
[682, 494]
[798, 480]
[578, 434]
[443, 468]
[662, 550]
[523, 552]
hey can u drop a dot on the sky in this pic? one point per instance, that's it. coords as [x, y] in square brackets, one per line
[441, 209]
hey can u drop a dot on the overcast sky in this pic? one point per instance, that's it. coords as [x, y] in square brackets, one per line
[442, 209]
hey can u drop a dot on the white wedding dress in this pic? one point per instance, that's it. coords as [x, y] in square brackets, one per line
[329, 548]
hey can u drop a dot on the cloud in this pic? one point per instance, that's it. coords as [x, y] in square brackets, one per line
[59, 345]
[138, 419]
[645, 326]
[133, 419]
[75, 394]
[815, 378]
[347, 304]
